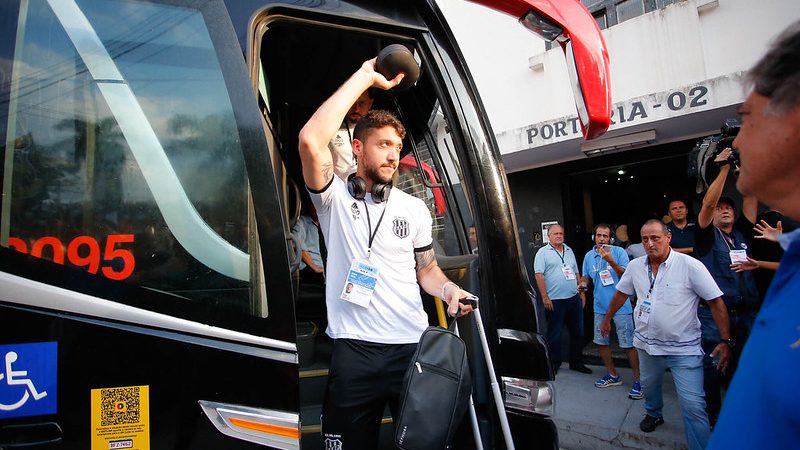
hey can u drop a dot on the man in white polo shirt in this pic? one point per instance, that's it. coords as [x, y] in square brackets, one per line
[669, 285]
[380, 253]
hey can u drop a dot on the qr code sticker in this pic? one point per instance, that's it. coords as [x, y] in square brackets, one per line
[119, 406]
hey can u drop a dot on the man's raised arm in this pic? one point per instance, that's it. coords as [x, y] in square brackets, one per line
[320, 128]
[706, 215]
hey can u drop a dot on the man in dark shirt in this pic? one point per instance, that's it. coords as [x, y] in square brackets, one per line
[720, 242]
[681, 227]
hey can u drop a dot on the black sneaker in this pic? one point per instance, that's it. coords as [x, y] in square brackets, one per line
[649, 423]
[580, 368]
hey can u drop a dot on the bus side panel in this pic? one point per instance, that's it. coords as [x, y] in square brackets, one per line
[93, 354]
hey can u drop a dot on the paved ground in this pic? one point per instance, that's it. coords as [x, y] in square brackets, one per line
[598, 419]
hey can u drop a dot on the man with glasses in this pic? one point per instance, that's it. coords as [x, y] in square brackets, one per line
[669, 286]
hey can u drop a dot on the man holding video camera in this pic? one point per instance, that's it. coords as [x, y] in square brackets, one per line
[762, 407]
[721, 241]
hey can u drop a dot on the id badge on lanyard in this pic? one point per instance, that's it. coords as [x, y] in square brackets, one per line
[643, 310]
[645, 306]
[363, 275]
[738, 256]
[605, 277]
[360, 283]
[565, 268]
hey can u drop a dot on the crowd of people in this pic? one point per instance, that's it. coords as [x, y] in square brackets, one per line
[702, 308]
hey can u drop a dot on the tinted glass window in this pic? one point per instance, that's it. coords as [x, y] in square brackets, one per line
[123, 152]
[628, 9]
[427, 172]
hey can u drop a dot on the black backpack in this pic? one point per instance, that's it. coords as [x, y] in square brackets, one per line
[436, 391]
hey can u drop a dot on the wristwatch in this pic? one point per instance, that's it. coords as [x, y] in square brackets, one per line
[730, 342]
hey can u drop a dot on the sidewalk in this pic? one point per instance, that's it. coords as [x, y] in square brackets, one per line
[599, 419]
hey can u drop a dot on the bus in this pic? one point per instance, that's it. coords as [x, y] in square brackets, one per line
[149, 287]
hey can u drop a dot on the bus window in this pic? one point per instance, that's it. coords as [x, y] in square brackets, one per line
[125, 158]
[431, 170]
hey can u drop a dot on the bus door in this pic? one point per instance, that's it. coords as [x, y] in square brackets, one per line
[145, 294]
[297, 59]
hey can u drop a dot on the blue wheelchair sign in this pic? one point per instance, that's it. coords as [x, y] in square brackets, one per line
[28, 379]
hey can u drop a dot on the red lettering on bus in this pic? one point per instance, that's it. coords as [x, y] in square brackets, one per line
[84, 251]
[54, 243]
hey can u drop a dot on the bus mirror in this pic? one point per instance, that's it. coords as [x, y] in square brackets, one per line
[570, 24]
[546, 29]
[577, 91]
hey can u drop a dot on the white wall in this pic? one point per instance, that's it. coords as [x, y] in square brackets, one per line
[687, 42]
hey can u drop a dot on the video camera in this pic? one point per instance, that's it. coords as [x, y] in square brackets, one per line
[701, 158]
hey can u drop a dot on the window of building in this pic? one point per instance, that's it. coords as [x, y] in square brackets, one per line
[601, 19]
[628, 9]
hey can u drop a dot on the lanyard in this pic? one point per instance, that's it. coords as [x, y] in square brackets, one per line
[651, 276]
[731, 243]
[371, 233]
[349, 135]
[560, 255]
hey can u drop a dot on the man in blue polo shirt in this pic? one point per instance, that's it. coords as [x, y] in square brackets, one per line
[557, 277]
[603, 265]
[762, 406]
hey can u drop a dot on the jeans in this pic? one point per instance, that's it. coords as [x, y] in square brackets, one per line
[687, 372]
[569, 311]
[624, 325]
[741, 323]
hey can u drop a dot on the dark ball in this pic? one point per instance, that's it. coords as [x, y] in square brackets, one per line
[395, 59]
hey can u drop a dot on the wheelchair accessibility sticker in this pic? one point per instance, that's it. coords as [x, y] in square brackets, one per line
[28, 379]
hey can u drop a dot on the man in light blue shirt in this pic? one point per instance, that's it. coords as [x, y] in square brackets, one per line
[557, 277]
[604, 264]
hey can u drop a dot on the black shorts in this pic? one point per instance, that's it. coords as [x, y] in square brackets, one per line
[364, 378]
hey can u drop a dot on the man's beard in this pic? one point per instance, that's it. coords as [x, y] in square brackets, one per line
[373, 174]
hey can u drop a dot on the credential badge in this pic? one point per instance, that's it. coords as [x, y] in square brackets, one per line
[400, 227]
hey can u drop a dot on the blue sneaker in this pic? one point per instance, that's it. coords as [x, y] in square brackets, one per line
[608, 380]
[636, 391]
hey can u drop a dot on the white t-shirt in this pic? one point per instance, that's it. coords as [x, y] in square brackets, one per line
[672, 327]
[395, 314]
[341, 147]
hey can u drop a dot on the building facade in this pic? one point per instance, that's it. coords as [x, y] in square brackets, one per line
[677, 72]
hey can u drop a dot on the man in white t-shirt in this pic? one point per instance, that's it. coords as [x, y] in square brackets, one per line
[341, 145]
[669, 285]
[380, 252]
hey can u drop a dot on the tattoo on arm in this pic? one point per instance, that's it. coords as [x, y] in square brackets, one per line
[424, 259]
[327, 170]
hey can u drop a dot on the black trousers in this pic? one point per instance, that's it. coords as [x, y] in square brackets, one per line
[364, 378]
[569, 312]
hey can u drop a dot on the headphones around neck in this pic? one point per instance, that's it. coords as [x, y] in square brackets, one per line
[358, 189]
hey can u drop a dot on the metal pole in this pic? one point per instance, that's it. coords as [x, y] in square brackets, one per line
[498, 397]
[473, 417]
